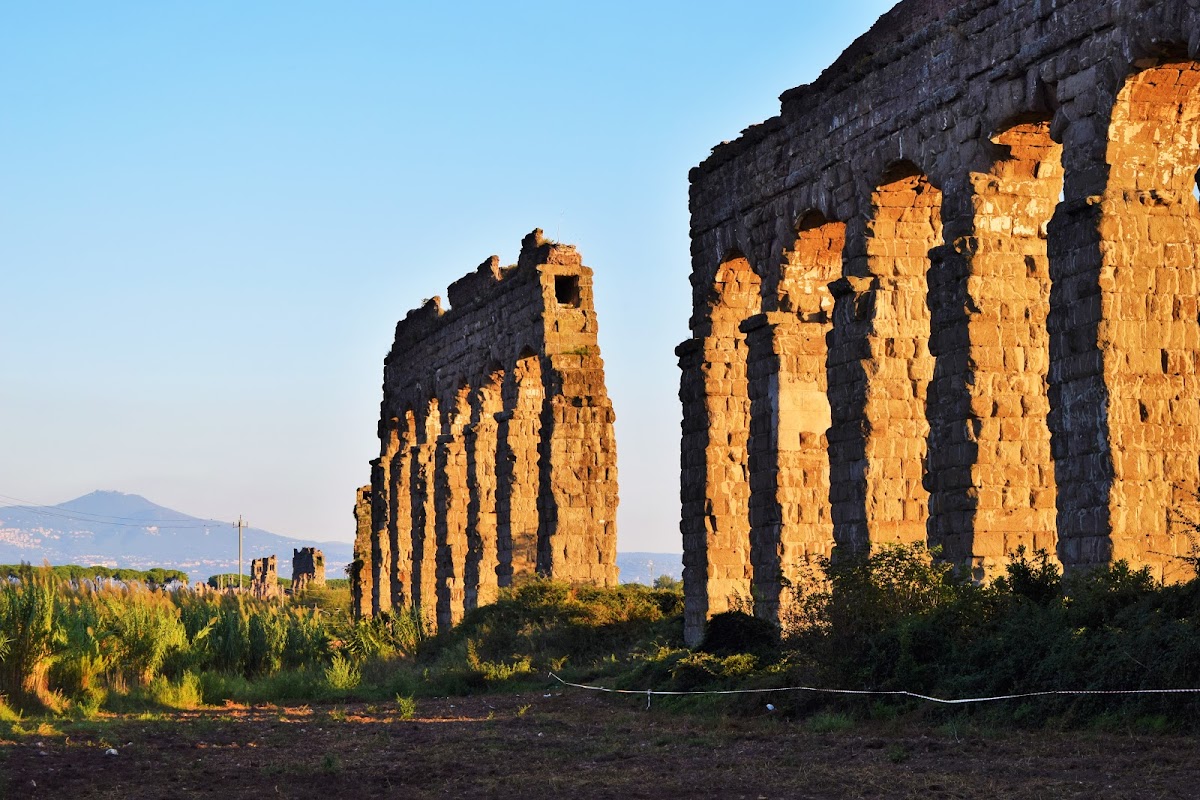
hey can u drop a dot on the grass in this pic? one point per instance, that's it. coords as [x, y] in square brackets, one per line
[829, 722]
[894, 620]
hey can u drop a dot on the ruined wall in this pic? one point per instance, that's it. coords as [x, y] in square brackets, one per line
[308, 569]
[361, 569]
[497, 455]
[264, 578]
[949, 295]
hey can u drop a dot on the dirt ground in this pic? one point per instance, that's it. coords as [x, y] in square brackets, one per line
[569, 744]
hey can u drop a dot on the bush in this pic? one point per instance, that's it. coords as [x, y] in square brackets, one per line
[733, 632]
[342, 675]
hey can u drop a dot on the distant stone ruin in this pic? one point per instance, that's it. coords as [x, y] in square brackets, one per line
[497, 452]
[949, 295]
[264, 579]
[361, 584]
[308, 569]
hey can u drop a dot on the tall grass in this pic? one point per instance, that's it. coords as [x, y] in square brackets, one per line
[67, 643]
[32, 633]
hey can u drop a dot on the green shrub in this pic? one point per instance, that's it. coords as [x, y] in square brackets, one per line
[734, 632]
[342, 675]
[184, 694]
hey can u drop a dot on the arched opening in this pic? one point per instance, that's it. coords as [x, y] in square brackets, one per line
[905, 225]
[808, 267]
[1148, 333]
[790, 512]
[1009, 290]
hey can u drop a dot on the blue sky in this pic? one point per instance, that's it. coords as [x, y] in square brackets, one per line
[212, 215]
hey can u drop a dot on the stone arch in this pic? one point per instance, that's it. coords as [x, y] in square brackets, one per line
[813, 261]
[904, 226]
[487, 401]
[518, 467]
[1148, 334]
[733, 295]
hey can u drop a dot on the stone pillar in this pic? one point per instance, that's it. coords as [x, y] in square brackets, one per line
[360, 568]
[905, 226]
[481, 447]
[578, 540]
[790, 516]
[400, 511]
[451, 501]
[693, 489]
[849, 353]
[997, 489]
[424, 516]
[716, 400]
[381, 552]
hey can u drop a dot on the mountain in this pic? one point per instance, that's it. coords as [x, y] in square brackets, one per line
[125, 530]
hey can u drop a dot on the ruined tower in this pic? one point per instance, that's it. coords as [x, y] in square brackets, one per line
[308, 569]
[949, 295]
[497, 454]
[264, 579]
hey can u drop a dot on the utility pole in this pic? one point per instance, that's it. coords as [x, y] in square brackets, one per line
[239, 525]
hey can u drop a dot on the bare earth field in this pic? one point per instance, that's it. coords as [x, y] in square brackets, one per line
[574, 745]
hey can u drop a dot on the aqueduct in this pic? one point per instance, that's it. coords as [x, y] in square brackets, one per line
[949, 295]
[497, 456]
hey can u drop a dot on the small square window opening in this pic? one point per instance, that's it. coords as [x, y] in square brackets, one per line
[566, 290]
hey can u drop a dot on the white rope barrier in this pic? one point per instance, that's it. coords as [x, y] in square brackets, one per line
[649, 693]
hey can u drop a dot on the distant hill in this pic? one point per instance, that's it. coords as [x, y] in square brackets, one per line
[125, 530]
[645, 567]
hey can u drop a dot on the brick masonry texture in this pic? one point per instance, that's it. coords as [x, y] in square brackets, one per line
[949, 295]
[497, 456]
